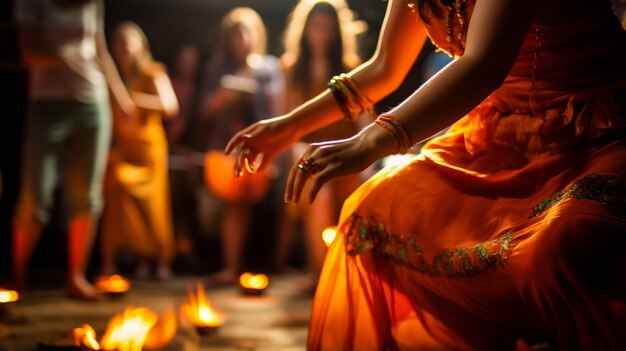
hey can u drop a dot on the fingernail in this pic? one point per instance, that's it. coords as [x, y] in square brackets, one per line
[287, 198]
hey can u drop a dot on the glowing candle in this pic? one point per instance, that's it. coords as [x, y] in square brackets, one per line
[253, 284]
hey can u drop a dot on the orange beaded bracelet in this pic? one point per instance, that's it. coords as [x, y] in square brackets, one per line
[397, 129]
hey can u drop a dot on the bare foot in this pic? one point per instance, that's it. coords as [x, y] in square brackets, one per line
[222, 278]
[79, 288]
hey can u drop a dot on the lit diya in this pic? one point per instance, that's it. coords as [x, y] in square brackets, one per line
[113, 285]
[134, 329]
[8, 296]
[85, 336]
[253, 284]
[200, 313]
[139, 328]
[82, 338]
[329, 235]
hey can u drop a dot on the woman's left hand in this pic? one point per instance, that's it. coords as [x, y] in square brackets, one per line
[324, 161]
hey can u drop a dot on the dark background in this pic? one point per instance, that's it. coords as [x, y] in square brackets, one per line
[168, 24]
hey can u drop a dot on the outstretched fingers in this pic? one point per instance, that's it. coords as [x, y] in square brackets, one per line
[319, 180]
[235, 141]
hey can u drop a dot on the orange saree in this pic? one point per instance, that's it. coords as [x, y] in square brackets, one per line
[509, 227]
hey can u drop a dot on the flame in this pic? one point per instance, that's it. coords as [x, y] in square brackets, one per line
[200, 312]
[8, 296]
[328, 235]
[254, 281]
[162, 332]
[129, 330]
[86, 336]
[112, 284]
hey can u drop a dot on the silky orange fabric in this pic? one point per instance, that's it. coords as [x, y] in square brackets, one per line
[509, 227]
[137, 215]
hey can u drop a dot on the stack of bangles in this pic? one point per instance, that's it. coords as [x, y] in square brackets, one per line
[352, 101]
[397, 130]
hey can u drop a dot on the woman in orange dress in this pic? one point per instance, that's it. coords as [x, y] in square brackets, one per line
[137, 216]
[508, 227]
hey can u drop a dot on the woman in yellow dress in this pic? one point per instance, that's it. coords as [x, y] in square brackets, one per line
[137, 215]
[508, 228]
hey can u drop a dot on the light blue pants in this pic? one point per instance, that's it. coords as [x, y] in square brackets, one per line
[68, 141]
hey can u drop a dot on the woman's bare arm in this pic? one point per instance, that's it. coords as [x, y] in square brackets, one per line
[163, 99]
[401, 40]
[495, 35]
[119, 94]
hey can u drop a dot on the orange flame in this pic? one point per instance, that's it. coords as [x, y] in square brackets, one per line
[86, 336]
[200, 312]
[112, 284]
[8, 296]
[163, 332]
[253, 281]
[131, 329]
[329, 235]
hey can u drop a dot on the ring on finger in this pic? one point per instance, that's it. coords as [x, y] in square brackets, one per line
[308, 166]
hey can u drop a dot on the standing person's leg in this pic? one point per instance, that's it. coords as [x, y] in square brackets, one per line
[44, 133]
[319, 216]
[234, 228]
[286, 232]
[86, 161]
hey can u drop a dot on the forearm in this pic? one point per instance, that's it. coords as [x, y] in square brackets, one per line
[147, 101]
[153, 102]
[448, 96]
[119, 94]
[400, 42]
[375, 81]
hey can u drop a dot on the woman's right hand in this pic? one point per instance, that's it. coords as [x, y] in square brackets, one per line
[255, 147]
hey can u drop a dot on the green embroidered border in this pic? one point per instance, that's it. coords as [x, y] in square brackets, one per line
[603, 189]
[367, 235]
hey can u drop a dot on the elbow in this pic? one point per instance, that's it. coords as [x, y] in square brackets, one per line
[387, 73]
[172, 111]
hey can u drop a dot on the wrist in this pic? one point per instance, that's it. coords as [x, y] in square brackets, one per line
[379, 141]
[293, 125]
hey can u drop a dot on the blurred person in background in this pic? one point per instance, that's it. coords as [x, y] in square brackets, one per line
[183, 173]
[242, 85]
[68, 127]
[137, 217]
[320, 42]
[184, 78]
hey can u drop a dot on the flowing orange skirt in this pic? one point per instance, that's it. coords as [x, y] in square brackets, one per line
[510, 227]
